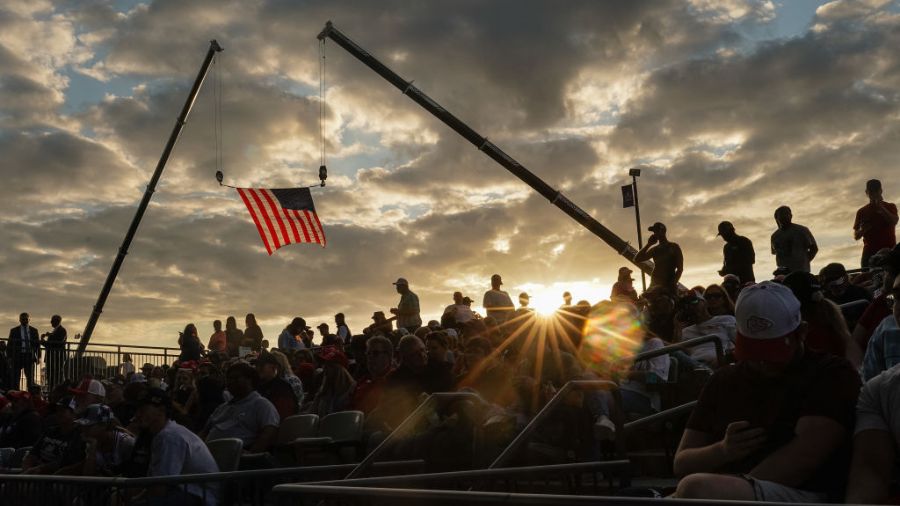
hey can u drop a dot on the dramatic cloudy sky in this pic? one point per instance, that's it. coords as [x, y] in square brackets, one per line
[731, 108]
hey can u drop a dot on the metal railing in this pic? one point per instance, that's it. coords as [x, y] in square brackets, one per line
[406, 427]
[568, 477]
[682, 346]
[547, 410]
[236, 487]
[313, 494]
[100, 360]
[662, 416]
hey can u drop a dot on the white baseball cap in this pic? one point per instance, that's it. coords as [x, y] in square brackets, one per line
[765, 313]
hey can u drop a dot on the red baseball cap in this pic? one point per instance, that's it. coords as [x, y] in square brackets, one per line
[334, 355]
[18, 395]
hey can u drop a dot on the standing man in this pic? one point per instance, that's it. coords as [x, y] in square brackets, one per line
[55, 342]
[24, 351]
[407, 310]
[738, 253]
[667, 258]
[793, 245]
[343, 331]
[875, 222]
[496, 302]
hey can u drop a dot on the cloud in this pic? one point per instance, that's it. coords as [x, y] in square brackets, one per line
[577, 92]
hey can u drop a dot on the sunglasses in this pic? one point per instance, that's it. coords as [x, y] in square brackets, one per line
[715, 296]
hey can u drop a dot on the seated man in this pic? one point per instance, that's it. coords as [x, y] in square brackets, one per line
[60, 446]
[406, 383]
[175, 451]
[775, 426]
[271, 386]
[438, 370]
[248, 416]
[370, 387]
[692, 310]
[23, 427]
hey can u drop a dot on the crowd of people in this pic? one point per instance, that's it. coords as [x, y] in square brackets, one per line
[800, 402]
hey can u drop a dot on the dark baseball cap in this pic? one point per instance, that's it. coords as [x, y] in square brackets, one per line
[657, 227]
[724, 226]
[155, 397]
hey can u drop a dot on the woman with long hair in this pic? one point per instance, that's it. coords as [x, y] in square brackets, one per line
[287, 374]
[189, 341]
[233, 336]
[718, 302]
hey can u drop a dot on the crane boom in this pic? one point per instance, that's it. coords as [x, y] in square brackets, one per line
[489, 148]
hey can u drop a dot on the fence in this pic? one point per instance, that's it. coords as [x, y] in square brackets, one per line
[99, 360]
[310, 494]
[571, 478]
[233, 488]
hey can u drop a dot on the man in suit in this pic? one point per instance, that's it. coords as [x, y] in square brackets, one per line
[24, 351]
[55, 343]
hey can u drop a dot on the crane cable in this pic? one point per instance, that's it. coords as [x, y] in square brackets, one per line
[323, 171]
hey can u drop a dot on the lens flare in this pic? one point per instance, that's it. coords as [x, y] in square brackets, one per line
[612, 332]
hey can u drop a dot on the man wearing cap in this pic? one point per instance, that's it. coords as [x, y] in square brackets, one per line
[175, 451]
[496, 302]
[775, 426]
[837, 288]
[90, 391]
[793, 245]
[623, 288]
[24, 351]
[380, 325]
[271, 386]
[23, 427]
[692, 310]
[59, 446]
[407, 310]
[107, 446]
[248, 416]
[668, 261]
[875, 222]
[738, 254]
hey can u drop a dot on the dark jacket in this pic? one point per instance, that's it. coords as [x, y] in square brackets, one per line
[14, 348]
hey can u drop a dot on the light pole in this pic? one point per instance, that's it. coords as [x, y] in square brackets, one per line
[635, 173]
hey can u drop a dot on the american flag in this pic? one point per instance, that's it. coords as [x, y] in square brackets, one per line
[283, 216]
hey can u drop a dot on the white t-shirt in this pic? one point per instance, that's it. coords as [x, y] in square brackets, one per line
[723, 326]
[175, 451]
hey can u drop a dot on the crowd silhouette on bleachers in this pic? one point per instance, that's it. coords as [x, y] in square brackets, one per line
[797, 398]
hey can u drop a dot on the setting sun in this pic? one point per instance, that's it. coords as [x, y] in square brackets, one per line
[546, 299]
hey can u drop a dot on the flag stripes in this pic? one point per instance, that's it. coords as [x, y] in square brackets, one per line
[291, 219]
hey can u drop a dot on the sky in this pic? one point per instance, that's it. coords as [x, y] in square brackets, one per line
[731, 108]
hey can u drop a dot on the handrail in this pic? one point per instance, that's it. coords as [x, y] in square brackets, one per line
[408, 424]
[854, 303]
[542, 415]
[662, 415]
[142, 482]
[71, 344]
[681, 346]
[469, 497]
[483, 473]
